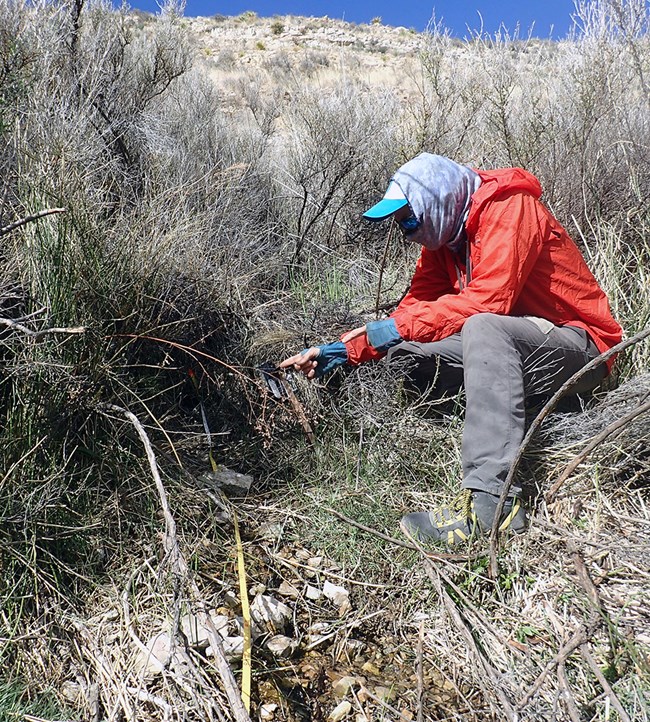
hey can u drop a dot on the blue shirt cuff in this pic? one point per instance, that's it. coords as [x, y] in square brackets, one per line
[383, 335]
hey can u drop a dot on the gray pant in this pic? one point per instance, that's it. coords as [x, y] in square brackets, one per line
[501, 361]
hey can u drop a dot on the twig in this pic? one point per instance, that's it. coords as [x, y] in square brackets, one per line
[159, 702]
[190, 351]
[170, 540]
[293, 565]
[537, 422]
[583, 634]
[585, 581]
[483, 664]
[588, 657]
[591, 591]
[362, 712]
[435, 575]
[127, 612]
[351, 625]
[385, 704]
[572, 707]
[382, 265]
[10, 323]
[103, 668]
[299, 409]
[369, 530]
[595, 441]
[27, 219]
[578, 638]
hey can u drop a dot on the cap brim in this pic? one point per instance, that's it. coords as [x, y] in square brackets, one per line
[384, 208]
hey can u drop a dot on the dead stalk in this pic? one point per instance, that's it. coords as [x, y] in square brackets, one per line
[10, 323]
[588, 657]
[28, 219]
[593, 444]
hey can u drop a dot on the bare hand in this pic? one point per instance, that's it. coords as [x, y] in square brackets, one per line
[353, 334]
[304, 362]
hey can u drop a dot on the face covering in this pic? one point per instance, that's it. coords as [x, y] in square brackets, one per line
[439, 192]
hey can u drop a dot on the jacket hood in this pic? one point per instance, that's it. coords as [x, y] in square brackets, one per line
[439, 192]
[509, 180]
[500, 182]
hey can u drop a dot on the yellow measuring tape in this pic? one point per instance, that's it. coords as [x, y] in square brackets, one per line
[241, 570]
[246, 614]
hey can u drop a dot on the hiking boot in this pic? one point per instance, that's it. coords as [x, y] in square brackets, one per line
[469, 516]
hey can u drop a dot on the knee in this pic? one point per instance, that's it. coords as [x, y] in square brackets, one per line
[481, 324]
[402, 351]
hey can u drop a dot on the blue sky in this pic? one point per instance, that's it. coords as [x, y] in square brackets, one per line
[550, 18]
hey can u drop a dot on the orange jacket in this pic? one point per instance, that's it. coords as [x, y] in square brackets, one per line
[523, 263]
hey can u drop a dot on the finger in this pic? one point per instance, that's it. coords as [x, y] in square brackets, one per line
[309, 370]
[288, 362]
[299, 360]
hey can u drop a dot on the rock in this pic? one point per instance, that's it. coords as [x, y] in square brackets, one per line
[288, 590]
[271, 531]
[371, 669]
[339, 595]
[197, 635]
[231, 600]
[317, 632]
[363, 695]
[158, 655]
[313, 593]
[280, 646]
[355, 646]
[230, 482]
[233, 648]
[270, 614]
[319, 628]
[72, 691]
[384, 693]
[267, 711]
[342, 686]
[341, 710]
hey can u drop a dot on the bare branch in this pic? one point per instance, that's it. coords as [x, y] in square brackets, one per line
[27, 219]
[10, 323]
[594, 443]
[616, 704]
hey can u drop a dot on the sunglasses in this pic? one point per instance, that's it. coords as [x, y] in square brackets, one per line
[409, 225]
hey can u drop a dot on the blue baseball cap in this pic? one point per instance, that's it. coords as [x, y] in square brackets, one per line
[392, 201]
